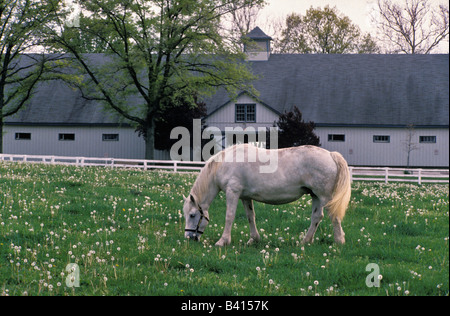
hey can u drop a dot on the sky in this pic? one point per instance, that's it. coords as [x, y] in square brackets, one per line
[357, 10]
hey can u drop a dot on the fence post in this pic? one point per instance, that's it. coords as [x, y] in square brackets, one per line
[350, 170]
[420, 176]
[386, 175]
[175, 166]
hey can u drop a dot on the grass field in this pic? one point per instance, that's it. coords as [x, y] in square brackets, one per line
[125, 231]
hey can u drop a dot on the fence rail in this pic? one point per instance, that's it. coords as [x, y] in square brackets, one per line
[170, 165]
[399, 175]
[357, 173]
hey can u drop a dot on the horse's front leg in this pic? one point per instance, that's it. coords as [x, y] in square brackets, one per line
[232, 201]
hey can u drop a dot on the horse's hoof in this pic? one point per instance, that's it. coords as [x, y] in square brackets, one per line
[222, 243]
[253, 240]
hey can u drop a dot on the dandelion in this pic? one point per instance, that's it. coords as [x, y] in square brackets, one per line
[316, 282]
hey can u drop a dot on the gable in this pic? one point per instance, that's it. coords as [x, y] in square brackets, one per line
[225, 115]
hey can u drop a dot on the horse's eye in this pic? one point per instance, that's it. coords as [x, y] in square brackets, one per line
[192, 215]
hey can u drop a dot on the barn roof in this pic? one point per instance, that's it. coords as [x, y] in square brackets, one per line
[365, 90]
[389, 90]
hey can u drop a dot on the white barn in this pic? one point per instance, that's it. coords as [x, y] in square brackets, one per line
[362, 106]
[368, 107]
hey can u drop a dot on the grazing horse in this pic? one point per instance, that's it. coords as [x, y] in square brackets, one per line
[300, 170]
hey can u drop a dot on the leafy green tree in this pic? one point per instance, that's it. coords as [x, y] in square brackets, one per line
[163, 51]
[21, 25]
[294, 131]
[323, 32]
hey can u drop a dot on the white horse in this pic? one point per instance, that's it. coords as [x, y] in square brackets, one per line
[301, 170]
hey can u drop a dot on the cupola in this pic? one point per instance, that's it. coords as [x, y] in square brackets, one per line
[257, 45]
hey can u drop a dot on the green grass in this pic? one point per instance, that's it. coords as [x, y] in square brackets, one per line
[125, 231]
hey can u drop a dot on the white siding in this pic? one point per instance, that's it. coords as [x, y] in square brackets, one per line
[360, 149]
[88, 142]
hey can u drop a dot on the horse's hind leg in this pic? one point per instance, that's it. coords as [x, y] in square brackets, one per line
[316, 218]
[339, 235]
[254, 235]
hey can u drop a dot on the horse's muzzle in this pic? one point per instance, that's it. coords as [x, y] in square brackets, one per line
[192, 236]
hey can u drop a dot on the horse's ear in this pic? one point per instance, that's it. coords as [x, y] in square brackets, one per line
[192, 199]
[184, 198]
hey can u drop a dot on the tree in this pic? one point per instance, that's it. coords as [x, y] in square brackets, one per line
[323, 32]
[413, 28]
[293, 131]
[182, 116]
[21, 24]
[164, 52]
[409, 144]
[242, 20]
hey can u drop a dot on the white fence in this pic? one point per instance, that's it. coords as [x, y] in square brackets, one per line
[357, 173]
[170, 165]
[399, 175]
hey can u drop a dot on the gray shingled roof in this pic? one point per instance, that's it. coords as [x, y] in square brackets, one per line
[258, 34]
[55, 103]
[392, 90]
[389, 90]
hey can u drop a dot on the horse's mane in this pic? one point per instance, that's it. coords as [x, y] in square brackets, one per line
[206, 176]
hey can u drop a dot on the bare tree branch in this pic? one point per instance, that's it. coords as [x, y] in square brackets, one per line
[416, 27]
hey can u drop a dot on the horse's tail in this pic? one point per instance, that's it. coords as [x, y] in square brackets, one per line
[342, 189]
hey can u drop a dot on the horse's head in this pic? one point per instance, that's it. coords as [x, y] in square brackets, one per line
[196, 218]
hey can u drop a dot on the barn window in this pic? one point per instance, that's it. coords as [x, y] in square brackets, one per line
[110, 137]
[23, 136]
[427, 139]
[381, 139]
[245, 113]
[336, 138]
[66, 137]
